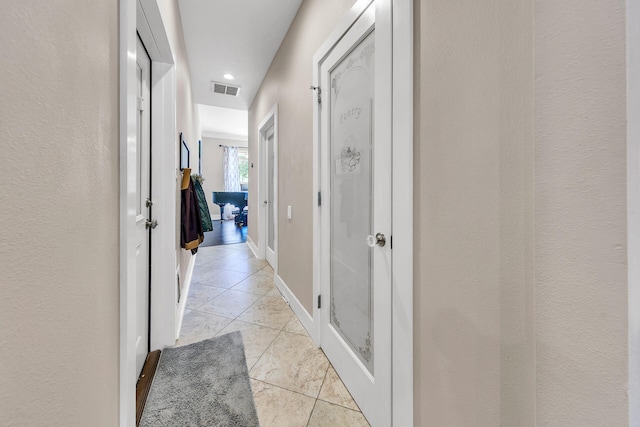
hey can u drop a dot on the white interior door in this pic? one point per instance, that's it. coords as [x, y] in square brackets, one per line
[355, 181]
[270, 157]
[143, 182]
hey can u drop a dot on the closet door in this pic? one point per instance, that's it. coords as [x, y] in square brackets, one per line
[143, 207]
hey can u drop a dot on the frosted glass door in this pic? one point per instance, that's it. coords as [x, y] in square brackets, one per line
[354, 211]
[351, 215]
[271, 187]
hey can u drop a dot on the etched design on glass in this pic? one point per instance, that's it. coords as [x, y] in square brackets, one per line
[334, 319]
[366, 351]
[366, 54]
[349, 160]
[351, 199]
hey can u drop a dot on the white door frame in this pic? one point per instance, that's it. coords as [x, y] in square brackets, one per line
[396, 18]
[143, 16]
[633, 205]
[270, 118]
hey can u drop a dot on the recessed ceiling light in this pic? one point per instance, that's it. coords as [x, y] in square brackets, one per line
[228, 76]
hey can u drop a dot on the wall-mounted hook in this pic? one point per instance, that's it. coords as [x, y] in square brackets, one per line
[319, 92]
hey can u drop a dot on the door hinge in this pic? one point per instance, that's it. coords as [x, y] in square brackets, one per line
[391, 242]
[319, 198]
[178, 286]
[140, 103]
[318, 93]
[319, 301]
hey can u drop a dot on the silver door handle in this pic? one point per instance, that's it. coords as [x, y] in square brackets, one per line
[379, 240]
[151, 224]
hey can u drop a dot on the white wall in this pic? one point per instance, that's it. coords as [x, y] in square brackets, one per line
[212, 168]
[59, 226]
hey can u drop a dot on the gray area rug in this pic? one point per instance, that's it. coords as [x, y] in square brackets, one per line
[202, 384]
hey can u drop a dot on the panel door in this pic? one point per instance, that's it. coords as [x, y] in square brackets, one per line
[143, 182]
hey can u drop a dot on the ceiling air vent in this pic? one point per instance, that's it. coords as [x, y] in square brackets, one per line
[224, 89]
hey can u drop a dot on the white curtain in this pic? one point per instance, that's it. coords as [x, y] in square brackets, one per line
[231, 172]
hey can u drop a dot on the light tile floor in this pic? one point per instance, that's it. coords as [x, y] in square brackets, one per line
[293, 383]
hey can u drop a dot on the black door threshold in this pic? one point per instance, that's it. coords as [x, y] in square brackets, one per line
[144, 382]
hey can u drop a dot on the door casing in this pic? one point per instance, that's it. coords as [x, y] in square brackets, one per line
[394, 18]
[143, 17]
[270, 119]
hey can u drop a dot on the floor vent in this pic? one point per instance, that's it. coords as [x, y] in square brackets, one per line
[224, 89]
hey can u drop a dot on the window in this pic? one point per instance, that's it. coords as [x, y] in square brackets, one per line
[243, 167]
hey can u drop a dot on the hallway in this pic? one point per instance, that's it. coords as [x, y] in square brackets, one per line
[292, 380]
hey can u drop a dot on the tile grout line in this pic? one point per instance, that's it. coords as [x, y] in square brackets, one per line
[218, 315]
[317, 397]
[251, 323]
[315, 402]
[342, 406]
[241, 313]
[261, 355]
[280, 330]
[264, 351]
[284, 388]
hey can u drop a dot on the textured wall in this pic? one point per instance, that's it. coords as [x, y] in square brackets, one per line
[580, 211]
[60, 207]
[287, 83]
[187, 116]
[497, 146]
[473, 261]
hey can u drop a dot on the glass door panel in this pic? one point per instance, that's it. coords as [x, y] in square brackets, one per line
[271, 189]
[351, 216]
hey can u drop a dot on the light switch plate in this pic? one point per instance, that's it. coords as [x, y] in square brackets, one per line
[288, 212]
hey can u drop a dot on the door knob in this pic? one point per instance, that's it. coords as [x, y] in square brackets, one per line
[379, 240]
[265, 202]
[151, 224]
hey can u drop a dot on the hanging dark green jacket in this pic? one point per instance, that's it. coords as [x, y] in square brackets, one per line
[205, 215]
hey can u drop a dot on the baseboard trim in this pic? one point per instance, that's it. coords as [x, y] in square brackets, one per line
[253, 248]
[184, 292]
[298, 309]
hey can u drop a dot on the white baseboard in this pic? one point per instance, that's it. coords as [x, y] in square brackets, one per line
[253, 248]
[302, 314]
[186, 284]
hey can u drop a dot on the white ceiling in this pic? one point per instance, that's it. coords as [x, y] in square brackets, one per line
[224, 123]
[239, 37]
